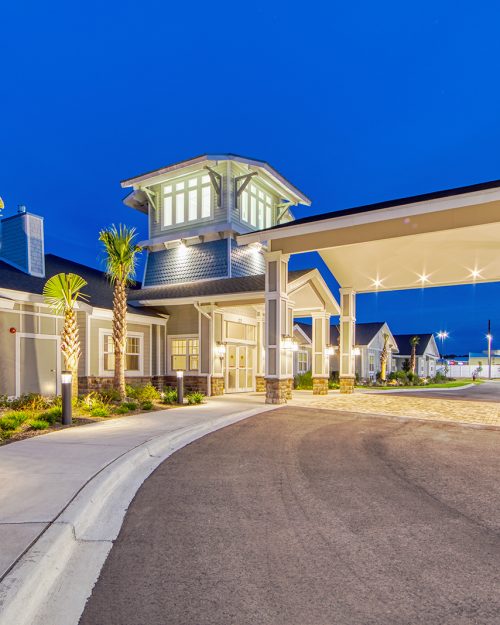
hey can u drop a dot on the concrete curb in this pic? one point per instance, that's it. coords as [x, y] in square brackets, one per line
[414, 390]
[53, 580]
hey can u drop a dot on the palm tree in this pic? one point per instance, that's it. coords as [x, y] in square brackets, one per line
[414, 341]
[61, 292]
[121, 261]
[383, 358]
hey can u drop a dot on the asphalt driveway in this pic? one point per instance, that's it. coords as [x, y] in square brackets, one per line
[309, 517]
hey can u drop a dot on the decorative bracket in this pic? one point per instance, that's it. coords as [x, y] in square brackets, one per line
[216, 180]
[152, 201]
[285, 206]
[246, 179]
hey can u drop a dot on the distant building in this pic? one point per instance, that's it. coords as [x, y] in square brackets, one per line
[427, 353]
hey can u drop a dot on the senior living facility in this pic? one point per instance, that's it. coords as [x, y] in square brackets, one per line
[201, 305]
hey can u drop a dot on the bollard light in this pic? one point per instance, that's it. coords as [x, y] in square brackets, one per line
[180, 386]
[67, 407]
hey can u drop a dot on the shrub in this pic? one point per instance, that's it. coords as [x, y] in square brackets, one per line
[51, 415]
[333, 384]
[92, 401]
[39, 424]
[4, 401]
[146, 392]
[31, 401]
[99, 412]
[109, 395]
[195, 398]
[12, 420]
[130, 405]
[121, 409]
[147, 405]
[303, 381]
[169, 396]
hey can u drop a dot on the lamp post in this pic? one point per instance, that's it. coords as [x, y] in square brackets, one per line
[490, 339]
[442, 335]
[67, 406]
[180, 386]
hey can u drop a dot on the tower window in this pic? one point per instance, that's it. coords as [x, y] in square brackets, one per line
[187, 200]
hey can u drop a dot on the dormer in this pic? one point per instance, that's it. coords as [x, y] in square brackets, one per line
[214, 193]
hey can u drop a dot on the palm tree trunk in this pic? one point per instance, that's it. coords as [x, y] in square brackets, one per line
[120, 334]
[413, 359]
[70, 347]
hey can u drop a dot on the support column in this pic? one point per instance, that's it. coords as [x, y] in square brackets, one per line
[278, 325]
[218, 354]
[260, 367]
[347, 337]
[320, 359]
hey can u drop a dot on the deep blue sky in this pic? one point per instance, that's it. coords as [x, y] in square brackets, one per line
[355, 102]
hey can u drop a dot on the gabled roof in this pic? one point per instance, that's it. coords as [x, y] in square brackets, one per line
[98, 288]
[221, 286]
[404, 345]
[204, 158]
[365, 332]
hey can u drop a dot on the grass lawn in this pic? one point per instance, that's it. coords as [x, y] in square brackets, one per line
[452, 384]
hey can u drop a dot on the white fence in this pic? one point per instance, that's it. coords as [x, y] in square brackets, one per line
[466, 371]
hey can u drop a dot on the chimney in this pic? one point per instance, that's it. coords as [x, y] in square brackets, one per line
[21, 242]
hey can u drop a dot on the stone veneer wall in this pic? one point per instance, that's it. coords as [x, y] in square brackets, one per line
[347, 385]
[93, 383]
[260, 384]
[278, 391]
[217, 386]
[192, 383]
[320, 386]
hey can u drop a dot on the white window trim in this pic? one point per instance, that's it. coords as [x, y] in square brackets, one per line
[128, 374]
[306, 353]
[181, 337]
[199, 188]
[248, 194]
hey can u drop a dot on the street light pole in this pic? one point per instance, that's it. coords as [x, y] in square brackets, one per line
[490, 338]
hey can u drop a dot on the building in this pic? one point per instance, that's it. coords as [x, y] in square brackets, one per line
[480, 360]
[427, 354]
[368, 348]
[201, 306]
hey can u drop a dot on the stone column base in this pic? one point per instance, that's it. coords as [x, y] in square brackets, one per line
[347, 385]
[278, 391]
[260, 384]
[216, 386]
[320, 386]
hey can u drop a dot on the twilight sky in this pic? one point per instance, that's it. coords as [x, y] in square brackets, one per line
[355, 102]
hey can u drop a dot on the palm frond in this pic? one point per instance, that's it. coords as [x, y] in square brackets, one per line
[120, 253]
[62, 291]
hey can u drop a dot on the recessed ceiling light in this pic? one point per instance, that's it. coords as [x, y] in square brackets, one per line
[475, 273]
[423, 278]
[377, 283]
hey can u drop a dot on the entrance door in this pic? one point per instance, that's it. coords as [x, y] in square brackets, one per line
[239, 374]
[37, 365]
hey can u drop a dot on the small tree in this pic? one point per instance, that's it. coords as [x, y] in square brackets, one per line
[414, 341]
[61, 292]
[121, 261]
[383, 358]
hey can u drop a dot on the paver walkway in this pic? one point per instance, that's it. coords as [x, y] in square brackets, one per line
[421, 407]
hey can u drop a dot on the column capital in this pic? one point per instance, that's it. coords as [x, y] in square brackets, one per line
[278, 255]
[320, 315]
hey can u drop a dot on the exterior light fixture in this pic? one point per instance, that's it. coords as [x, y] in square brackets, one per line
[220, 350]
[377, 283]
[442, 335]
[356, 351]
[287, 342]
[330, 350]
[180, 386]
[475, 274]
[423, 278]
[67, 406]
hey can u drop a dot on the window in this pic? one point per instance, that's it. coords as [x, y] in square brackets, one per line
[184, 354]
[302, 362]
[133, 353]
[256, 207]
[187, 200]
[371, 363]
[240, 331]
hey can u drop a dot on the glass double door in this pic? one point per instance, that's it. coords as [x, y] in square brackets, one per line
[239, 372]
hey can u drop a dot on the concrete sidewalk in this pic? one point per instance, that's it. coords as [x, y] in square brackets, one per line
[41, 476]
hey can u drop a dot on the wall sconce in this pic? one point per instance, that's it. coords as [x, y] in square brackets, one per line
[220, 350]
[287, 342]
[330, 350]
[356, 351]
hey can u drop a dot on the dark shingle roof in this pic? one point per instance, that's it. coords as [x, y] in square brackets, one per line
[222, 286]
[98, 288]
[364, 332]
[404, 345]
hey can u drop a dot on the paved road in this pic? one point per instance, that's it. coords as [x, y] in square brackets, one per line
[489, 391]
[304, 517]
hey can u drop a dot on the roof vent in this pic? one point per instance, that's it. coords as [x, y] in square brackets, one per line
[21, 209]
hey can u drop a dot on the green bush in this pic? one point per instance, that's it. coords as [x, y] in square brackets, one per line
[92, 401]
[146, 392]
[51, 415]
[130, 405]
[333, 384]
[39, 424]
[123, 409]
[99, 412]
[195, 398]
[169, 396]
[12, 420]
[109, 395]
[31, 401]
[147, 405]
[303, 381]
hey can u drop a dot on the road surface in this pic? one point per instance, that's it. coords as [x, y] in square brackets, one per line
[309, 517]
